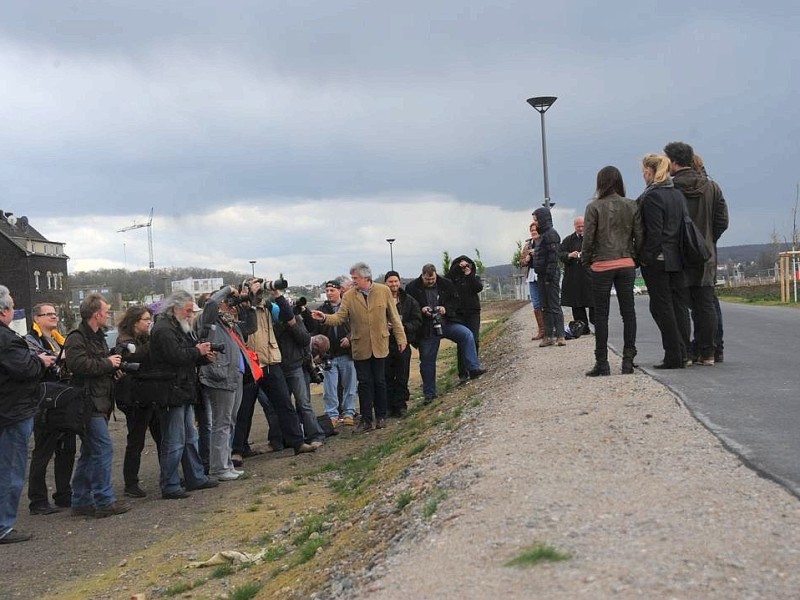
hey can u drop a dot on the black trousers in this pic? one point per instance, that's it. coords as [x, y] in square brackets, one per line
[45, 444]
[138, 421]
[704, 317]
[371, 374]
[471, 321]
[622, 280]
[668, 299]
[398, 369]
[284, 424]
[550, 295]
[579, 314]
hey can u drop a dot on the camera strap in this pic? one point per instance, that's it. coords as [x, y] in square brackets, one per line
[252, 357]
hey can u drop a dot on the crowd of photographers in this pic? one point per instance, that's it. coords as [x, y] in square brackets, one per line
[192, 375]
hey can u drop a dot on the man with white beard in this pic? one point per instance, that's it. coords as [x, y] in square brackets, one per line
[170, 378]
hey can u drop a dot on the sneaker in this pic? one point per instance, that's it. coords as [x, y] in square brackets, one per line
[44, 509]
[14, 536]
[477, 373]
[561, 342]
[705, 361]
[115, 508]
[228, 476]
[239, 472]
[348, 421]
[304, 449]
[316, 444]
[134, 491]
[179, 495]
[547, 341]
[83, 511]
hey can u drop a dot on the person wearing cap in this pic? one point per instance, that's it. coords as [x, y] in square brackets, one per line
[343, 369]
[398, 364]
[370, 308]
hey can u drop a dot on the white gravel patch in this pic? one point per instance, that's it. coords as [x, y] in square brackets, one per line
[613, 470]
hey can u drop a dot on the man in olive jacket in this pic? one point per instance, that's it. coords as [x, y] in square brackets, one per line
[370, 308]
[87, 358]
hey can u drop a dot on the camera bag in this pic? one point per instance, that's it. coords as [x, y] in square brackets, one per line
[63, 406]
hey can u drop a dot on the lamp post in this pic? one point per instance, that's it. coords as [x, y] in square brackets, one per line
[253, 268]
[391, 253]
[541, 104]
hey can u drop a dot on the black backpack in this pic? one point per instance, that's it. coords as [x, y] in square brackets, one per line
[576, 329]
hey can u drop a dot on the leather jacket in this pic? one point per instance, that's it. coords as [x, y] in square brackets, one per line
[612, 230]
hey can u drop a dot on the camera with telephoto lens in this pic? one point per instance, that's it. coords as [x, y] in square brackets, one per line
[275, 284]
[125, 348]
[436, 319]
[234, 300]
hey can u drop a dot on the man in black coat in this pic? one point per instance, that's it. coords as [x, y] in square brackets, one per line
[548, 274]
[398, 364]
[576, 287]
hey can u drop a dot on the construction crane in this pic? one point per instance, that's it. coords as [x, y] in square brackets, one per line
[149, 226]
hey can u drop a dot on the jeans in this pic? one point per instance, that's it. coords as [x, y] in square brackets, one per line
[91, 482]
[138, 421]
[398, 367]
[667, 293]
[45, 444]
[371, 388]
[472, 322]
[179, 448]
[533, 292]
[224, 408]
[13, 461]
[622, 280]
[298, 382]
[550, 293]
[429, 349]
[202, 416]
[345, 371]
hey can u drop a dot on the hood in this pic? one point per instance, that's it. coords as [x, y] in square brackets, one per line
[691, 183]
[544, 220]
[455, 272]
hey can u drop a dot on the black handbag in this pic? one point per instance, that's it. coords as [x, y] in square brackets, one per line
[694, 250]
[63, 406]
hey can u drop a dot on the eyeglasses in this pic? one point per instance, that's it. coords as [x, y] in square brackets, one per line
[146, 319]
[51, 314]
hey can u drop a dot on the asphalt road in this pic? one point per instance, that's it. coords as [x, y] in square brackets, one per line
[752, 400]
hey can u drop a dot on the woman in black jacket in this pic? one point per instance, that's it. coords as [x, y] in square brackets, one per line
[661, 205]
[547, 265]
[140, 412]
[468, 286]
[398, 364]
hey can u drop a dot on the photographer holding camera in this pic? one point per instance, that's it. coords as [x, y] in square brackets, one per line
[271, 390]
[133, 344]
[227, 319]
[438, 299]
[45, 337]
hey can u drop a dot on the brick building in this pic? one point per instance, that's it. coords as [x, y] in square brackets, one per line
[32, 267]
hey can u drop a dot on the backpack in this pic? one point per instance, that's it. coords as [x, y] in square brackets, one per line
[576, 329]
[63, 407]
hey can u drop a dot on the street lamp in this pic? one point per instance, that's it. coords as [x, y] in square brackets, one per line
[391, 253]
[541, 104]
[253, 267]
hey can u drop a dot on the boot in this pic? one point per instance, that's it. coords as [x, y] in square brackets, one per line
[601, 367]
[547, 341]
[539, 323]
[560, 341]
[627, 360]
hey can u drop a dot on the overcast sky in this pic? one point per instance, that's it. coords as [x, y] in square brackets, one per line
[302, 134]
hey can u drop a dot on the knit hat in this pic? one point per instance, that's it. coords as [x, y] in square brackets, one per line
[390, 274]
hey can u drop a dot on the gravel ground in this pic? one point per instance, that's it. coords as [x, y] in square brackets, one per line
[614, 471]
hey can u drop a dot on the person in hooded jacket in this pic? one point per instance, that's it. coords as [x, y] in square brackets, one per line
[546, 263]
[709, 211]
[398, 364]
[468, 312]
[661, 206]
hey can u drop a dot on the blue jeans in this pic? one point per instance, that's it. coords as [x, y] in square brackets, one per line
[298, 383]
[91, 482]
[533, 292]
[343, 368]
[202, 415]
[179, 447]
[224, 407]
[429, 349]
[13, 461]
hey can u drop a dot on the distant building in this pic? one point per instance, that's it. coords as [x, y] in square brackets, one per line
[197, 287]
[32, 267]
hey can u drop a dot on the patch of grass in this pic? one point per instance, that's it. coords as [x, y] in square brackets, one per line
[458, 411]
[432, 504]
[311, 524]
[417, 449]
[178, 588]
[536, 554]
[252, 508]
[287, 489]
[475, 402]
[274, 553]
[245, 592]
[222, 571]
[404, 499]
[309, 549]
[355, 472]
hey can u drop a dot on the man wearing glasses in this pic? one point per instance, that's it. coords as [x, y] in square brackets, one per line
[45, 337]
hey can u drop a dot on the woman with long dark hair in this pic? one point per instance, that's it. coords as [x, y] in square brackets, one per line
[612, 239]
[140, 412]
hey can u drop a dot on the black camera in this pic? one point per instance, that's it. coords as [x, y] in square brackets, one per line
[300, 306]
[436, 320]
[234, 300]
[218, 348]
[125, 348]
[326, 364]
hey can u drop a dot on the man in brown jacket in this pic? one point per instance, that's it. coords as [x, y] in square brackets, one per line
[370, 308]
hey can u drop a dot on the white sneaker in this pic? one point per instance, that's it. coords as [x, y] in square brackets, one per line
[316, 444]
[228, 476]
[238, 471]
